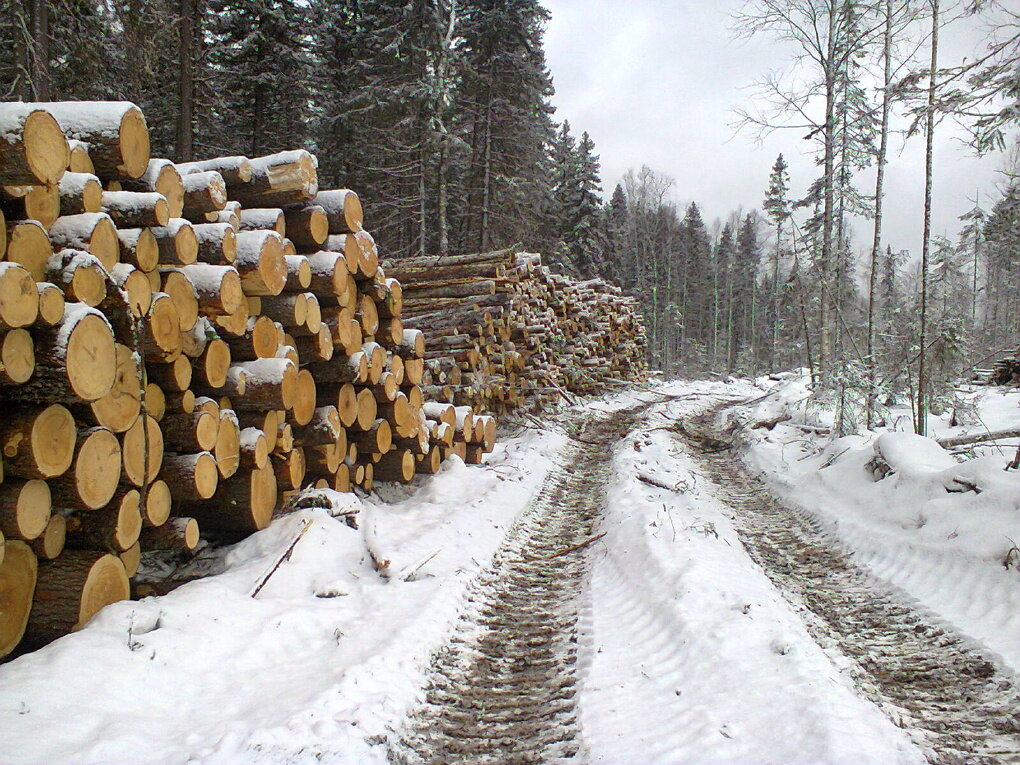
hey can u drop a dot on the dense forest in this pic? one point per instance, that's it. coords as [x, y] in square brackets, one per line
[439, 111]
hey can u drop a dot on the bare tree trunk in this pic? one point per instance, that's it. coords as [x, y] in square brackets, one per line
[828, 134]
[775, 297]
[422, 161]
[443, 198]
[715, 311]
[876, 243]
[40, 53]
[483, 232]
[186, 83]
[922, 369]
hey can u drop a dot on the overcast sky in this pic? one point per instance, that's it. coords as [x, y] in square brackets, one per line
[655, 82]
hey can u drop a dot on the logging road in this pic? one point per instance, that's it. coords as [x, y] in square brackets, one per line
[504, 689]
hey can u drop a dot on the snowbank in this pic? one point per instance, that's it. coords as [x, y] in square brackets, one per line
[937, 525]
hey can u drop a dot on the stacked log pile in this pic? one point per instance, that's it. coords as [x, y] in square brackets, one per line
[505, 331]
[183, 347]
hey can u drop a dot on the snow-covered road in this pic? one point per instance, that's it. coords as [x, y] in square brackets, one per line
[697, 621]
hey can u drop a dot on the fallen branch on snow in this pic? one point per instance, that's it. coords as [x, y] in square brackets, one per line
[659, 484]
[286, 556]
[977, 438]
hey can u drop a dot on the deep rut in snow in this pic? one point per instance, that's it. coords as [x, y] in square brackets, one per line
[503, 690]
[958, 705]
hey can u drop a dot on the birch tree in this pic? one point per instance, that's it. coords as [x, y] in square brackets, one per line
[826, 37]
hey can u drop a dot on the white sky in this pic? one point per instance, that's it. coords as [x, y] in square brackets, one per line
[656, 81]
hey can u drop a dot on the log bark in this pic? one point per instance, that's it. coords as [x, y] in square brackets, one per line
[18, 573]
[136, 209]
[177, 535]
[70, 590]
[234, 170]
[138, 247]
[260, 262]
[38, 203]
[397, 465]
[307, 226]
[160, 177]
[217, 243]
[191, 477]
[50, 543]
[114, 528]
[204, 192]
[241, 506]
[80, 275]
[79, 193]
[285, 178]
[176, 242]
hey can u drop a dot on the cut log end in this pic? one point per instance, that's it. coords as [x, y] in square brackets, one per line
[46, 150]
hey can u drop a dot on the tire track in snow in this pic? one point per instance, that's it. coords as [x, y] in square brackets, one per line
[503, 690]
[959, 705]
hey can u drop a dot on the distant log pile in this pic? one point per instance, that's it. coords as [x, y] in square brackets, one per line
[504, 331]
[1006, 371]
[183, 347]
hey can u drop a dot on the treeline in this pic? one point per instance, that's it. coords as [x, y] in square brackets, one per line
[438, 110]
[742, 295]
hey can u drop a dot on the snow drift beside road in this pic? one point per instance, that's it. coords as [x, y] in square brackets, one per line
[938, 528]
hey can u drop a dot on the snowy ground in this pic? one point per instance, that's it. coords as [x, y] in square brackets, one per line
[325, 660]
[687, 652]
[920, 529]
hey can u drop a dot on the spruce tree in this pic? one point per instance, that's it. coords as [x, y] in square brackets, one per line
[262, 73]
[777, 207]
[503, 98]
[746, 290]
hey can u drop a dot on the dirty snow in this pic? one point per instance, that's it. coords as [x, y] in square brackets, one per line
[691, 655]
[325, 660]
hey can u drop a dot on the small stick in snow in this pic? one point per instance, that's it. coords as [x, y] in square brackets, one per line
[577, 547]
[407, 574]
[286, 556]
[658, 484]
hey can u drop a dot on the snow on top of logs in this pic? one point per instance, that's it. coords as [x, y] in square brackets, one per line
[293, 156]
[236, 167]
[195, 181]
[73, 314]
[69, 260]
[115, 132]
